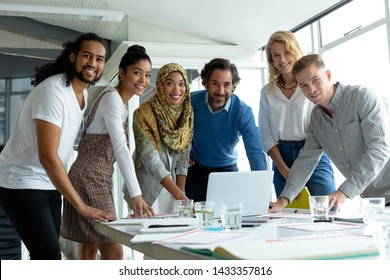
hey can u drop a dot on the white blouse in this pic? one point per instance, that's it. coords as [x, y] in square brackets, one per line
[281, 118]
[109, 118]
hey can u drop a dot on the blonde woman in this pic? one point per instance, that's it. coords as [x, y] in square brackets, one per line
[284, 116]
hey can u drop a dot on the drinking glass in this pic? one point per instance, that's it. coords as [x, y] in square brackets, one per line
[231, 215]
[204, 211]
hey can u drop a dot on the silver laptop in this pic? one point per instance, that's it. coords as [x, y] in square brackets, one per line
[252, 188]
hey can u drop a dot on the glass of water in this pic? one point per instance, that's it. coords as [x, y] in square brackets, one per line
[204, 211]
[319, 207]
[380, 228]
[371, 207]
[377, 219]
[231, 215]
[185, 208]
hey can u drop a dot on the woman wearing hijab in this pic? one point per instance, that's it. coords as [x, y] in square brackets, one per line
[163, 129]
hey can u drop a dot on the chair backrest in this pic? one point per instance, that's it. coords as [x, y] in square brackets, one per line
[303, 202]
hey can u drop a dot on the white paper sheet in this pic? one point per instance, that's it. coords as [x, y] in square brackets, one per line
[200, 236]
[320, 227]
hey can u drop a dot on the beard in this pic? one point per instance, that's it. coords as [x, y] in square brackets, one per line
[216, 102]
[81, 77]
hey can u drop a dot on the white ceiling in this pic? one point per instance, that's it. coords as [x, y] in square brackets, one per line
[245, 25]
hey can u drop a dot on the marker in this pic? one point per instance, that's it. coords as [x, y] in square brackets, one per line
[163, 226]
[250, 224]
[325, 221]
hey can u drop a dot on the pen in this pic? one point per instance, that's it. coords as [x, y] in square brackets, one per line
[163, 226]
[250, 224]
[320, 221]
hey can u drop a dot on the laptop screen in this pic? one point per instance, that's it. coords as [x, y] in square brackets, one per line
[252, 188]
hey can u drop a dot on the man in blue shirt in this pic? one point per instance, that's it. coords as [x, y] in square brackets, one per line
[220, 118]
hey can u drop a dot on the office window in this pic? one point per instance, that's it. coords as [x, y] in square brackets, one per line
[2, 86]
[21, 85]
[13, 92]
[248, 91]
[19, 90]
[362, 60]
[354, 15]
[305, 39]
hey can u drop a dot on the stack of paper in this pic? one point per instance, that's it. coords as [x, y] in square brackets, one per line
[327, 247]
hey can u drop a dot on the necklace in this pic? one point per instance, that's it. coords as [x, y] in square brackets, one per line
[292, 85]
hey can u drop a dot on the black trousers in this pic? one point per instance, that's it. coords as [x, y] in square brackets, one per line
[198, 177]
[10, 243]
[36, 216]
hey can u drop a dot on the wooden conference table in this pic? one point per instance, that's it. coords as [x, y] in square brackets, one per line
[268, 231]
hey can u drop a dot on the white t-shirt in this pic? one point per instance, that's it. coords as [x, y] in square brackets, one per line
[51, 101]
[109, 118]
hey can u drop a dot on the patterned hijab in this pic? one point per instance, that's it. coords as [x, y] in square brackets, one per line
[175, 122]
